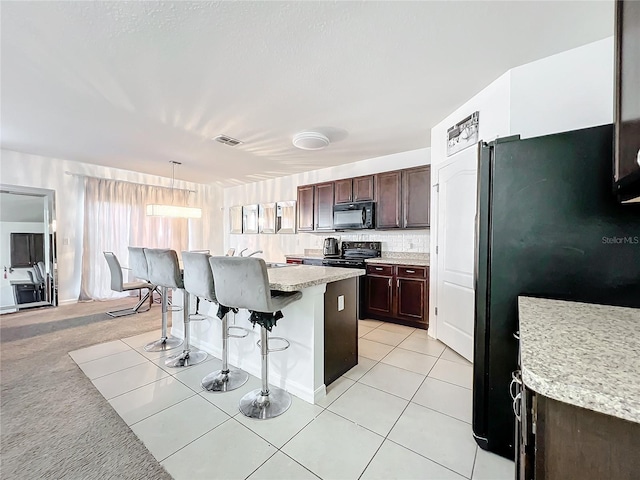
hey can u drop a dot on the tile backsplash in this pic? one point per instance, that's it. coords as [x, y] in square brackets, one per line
[276, 246]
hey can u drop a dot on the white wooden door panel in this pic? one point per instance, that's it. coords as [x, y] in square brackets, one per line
[457, 183]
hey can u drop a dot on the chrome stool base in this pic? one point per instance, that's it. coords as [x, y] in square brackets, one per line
[218, 382]
[256, 405]
[166, 343]
[186, 359]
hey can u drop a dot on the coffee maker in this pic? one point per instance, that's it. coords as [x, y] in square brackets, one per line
[331, 249]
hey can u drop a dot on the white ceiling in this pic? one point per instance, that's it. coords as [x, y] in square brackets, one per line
[135, 84]
[21, 208]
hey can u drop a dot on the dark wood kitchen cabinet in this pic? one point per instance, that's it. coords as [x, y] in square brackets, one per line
[398, 293]
[627, 100]
[323, 208]
[305, 208]
[411, 285]
[343, 191]
[403, 198]
[388, 195]
[557, 440]
[363, 189]
[379, 293]
[27, 249]
[416, 197]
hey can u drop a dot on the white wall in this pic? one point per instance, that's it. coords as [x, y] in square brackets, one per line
[285, 188]
[567, 91]
[43, 172]
[6, 229]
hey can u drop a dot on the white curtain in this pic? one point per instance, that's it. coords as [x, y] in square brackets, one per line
[114, 219]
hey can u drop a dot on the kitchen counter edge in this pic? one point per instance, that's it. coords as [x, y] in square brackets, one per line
[297, 277]
[571, 351]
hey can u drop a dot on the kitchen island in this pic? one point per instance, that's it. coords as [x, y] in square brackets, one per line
[580, 404]
[322, 328]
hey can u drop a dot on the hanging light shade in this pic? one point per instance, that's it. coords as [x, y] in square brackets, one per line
[174, 211]
[156, 210]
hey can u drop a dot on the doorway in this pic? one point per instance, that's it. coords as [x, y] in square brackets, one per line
[27, 248]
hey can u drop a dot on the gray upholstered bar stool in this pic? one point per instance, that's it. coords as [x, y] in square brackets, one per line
[140, 270]
[164, 272]
[198, 281]
[118, 285]
[243, 282]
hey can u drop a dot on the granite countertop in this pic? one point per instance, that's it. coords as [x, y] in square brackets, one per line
[418, 262]
[583, 354]
[296, 277]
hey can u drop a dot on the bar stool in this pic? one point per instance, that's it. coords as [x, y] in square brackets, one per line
[164, 272]
[140, 270]
[243, 282]
[198, 281]
[118, 285]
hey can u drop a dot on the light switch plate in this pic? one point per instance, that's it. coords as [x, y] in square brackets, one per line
[341, 303]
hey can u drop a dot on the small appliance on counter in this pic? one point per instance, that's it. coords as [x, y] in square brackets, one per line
[354, 216]
[330, 249]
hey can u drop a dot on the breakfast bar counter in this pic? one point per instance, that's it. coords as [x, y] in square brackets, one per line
[326, 313]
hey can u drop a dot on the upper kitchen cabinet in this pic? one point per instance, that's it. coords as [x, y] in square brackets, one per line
[388, 197]
[416, 197]
[27, 249]
[344, 191]
[323, 211]
[627, 118]
[305, 208]
[363, 189]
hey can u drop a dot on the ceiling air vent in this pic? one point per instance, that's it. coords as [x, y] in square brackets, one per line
[227, 140]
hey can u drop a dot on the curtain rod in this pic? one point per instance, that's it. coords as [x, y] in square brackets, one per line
[81, 175]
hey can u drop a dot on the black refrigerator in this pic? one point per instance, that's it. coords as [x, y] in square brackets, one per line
[547, 225]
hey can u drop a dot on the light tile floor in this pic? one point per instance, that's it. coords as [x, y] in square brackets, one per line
[404, 412]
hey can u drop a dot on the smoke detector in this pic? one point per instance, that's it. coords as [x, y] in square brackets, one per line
[227, 140]
[310, 141]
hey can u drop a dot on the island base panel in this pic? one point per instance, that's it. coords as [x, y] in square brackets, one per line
[340, 329]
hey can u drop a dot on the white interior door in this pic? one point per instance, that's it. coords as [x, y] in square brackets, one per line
[455, 253]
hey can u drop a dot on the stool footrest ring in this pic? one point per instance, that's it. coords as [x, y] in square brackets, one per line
[277, 349]
[174, 308]
[197, 317]
[233, 335]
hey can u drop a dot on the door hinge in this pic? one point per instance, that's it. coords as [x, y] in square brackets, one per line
[437, 185]
[436, 310]
[436, 249]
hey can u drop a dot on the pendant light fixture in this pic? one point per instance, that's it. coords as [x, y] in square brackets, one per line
[175, 211]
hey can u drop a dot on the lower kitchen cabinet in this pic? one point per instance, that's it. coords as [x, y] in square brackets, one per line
[558, 441]
[379, 295]
[398, 293]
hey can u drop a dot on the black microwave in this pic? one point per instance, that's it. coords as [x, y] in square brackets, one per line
[354, 216]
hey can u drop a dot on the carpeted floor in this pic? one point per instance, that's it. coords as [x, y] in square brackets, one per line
[54, 424]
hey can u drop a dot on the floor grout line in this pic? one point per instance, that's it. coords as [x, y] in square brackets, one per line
[323, 408]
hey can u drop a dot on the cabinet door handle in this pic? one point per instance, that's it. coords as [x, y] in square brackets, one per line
[411, 271]
[516, 381]
[397, 283]
[516, 406]
[379, 268]
[389, 282]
